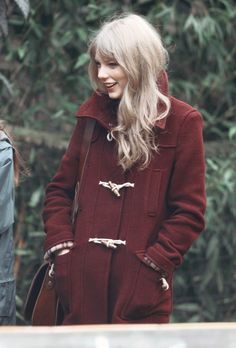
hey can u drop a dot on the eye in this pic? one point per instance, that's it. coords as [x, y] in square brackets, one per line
[98, 64]
[113, 64]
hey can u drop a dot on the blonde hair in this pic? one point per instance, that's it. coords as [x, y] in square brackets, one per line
[137, 47]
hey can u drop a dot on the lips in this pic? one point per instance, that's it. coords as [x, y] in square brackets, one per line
[110, 85]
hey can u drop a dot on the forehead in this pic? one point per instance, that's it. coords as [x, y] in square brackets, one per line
[103, 56]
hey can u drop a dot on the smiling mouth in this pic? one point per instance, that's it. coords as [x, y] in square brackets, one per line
[110, 85]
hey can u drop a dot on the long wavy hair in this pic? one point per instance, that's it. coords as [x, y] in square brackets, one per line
[137, 47]
[19, 164]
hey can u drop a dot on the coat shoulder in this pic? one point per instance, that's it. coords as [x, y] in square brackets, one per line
[180, 114]
[180, 109]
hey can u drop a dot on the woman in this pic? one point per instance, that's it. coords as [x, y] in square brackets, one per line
[9, 177]
[142, 198]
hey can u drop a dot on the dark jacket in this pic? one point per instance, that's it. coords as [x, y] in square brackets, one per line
[7, 282]
[159, 218]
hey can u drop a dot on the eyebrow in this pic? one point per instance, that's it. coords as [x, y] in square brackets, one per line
[106, 60]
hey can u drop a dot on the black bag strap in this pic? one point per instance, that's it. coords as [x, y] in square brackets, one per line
[84, 150]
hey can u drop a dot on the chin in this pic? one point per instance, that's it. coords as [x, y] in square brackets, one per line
[114, 95]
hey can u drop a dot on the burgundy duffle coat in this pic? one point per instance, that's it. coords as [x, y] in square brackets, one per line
[159, 218]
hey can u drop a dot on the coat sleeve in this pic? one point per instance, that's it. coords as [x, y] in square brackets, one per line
[60, 194]
[6, 186]
[186, 198]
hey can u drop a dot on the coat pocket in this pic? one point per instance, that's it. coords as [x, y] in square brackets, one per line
[146, 295]
[153, 191]
[62, 279]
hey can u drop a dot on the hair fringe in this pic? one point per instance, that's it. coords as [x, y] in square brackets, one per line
[137, 47]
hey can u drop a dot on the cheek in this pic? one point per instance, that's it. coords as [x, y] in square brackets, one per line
[123, 80]
[124, 83]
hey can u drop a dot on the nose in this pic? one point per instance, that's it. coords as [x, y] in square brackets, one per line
[102, 73]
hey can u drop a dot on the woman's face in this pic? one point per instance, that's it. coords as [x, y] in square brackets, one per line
[112, 76]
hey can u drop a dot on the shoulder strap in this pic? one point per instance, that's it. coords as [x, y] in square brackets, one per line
[84, 150]
[85, 145]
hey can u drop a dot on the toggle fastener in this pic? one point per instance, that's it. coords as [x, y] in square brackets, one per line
[109, 243]
[115, 188]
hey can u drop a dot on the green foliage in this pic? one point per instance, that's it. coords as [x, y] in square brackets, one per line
[43, 79]
[208, 290]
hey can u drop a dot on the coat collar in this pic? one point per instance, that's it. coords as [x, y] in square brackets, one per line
[103, 109]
